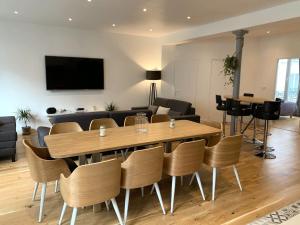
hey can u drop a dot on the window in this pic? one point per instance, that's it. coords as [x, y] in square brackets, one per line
[287, 82]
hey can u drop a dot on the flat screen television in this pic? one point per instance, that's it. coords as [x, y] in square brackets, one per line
[72, 73]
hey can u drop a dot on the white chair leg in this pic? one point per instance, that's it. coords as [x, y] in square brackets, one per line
[159, 198]
[214, 178]
[116, 154]
[123, 154]
[181, 180]
[62, 213]
[56, 186]
[237, 177]
[192, 179]
[200, 184]
[74, 215]
[142, 191]
[126, 205]
[42, 202]
[36, 186]
[152, 189]
[116, 208]
[107, 205]
[173, 193]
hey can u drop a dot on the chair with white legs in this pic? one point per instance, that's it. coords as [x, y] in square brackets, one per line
[142, 168]
[107, 123]
[186, 159]
[225, 153]
[43, 169]
[91, 184]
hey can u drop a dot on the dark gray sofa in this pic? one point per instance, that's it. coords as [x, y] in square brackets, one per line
[179, 110]
[8, 137]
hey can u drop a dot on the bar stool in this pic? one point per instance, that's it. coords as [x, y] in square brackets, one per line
[221, 106]
[270, 110]
[235, 108]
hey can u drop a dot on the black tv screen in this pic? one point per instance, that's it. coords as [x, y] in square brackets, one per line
[72, 73]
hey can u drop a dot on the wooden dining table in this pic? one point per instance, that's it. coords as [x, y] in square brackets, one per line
[247, 99]
[89, 142]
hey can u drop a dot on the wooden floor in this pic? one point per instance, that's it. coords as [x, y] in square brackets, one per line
[268, 185]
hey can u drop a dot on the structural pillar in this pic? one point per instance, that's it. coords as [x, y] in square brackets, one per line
[239, 34]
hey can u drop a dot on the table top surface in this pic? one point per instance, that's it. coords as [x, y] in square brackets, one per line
[89, 142]
[257, 100]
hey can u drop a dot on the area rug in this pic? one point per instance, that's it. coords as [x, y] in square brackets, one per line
[280, 216]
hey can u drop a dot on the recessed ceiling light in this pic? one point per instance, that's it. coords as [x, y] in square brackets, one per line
[268, 32]
[150, 30]
[89, 0]
[188, 17]
[16, 12]
[114, 25]
[144, 10]
[70, 19]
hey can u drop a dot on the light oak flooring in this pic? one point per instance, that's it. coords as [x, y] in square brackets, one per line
[268, 185]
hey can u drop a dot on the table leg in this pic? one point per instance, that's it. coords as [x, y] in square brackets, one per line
[82, 160]
[168, 147]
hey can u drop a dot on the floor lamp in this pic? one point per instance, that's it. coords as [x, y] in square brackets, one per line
[153, 75]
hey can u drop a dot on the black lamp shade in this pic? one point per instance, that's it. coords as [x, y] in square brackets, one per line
[153, 75]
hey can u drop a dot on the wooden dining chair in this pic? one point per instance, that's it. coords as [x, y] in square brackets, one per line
[225, 153]
[186, 159]
[142, 168]
[89, 185]
[66, 127]
[129, 121]
[43, 169]
[108, 123]
[158, 118]
[213, 139]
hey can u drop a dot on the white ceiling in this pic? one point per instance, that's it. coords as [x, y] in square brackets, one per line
[163, 16]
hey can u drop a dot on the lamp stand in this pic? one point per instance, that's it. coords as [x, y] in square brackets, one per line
[152, 94]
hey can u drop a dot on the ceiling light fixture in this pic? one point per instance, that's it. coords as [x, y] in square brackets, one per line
[89, 0]
[16, 12]
[150, 30]
[188, 17]
[113, 25]
[70, 19]
[144, 10]
[268, 32]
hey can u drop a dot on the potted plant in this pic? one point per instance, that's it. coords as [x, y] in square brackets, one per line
[111, 107]
[24, 115]
[229, 67]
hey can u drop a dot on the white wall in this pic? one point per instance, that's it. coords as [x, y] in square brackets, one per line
[200, 65]
[22, 69]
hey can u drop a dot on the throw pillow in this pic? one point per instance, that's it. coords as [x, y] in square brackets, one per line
[153, 108]
[174, 113]
[162, 110]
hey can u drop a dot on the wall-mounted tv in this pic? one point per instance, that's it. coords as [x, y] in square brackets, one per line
[72, 73]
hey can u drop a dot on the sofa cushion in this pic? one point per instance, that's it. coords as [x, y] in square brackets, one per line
[7, 123]
[84, 119]
[8, 136]
[7, 145]
[175, 105]
[119, 116]
[161, 102]
[162, 110]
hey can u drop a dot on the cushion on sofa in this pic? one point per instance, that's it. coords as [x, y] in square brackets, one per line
[8, 136]
[175, 105]
[162, 110]
[173, 113]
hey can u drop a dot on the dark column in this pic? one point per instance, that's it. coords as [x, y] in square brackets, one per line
[236, 84]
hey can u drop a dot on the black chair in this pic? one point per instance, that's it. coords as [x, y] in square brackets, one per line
[221, 106]
[270, 110]
[235, 108]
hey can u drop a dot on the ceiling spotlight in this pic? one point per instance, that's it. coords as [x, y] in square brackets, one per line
[114, 25]
[144, 10]
[150, 30]
[268, 32]
[89, 0]
[188, 17]
[16, 12]
[70, 19]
